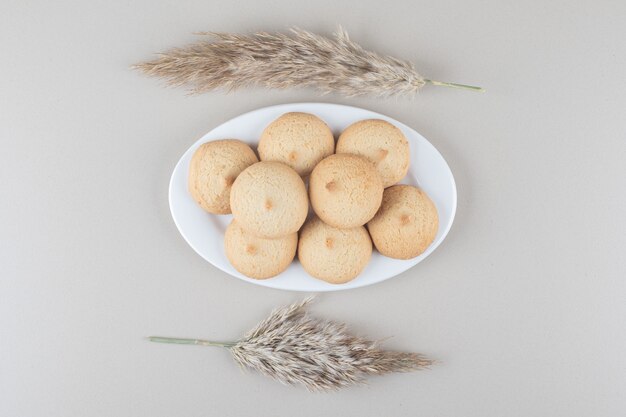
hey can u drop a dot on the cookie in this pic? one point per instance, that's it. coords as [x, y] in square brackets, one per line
[345, 190]
[380, 142]
[331, 254]
[269, 200]
[299, 140]
[213, 169]
[406, 223]
[256, 257]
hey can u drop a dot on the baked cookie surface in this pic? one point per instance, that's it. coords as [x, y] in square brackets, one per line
[299, 140]
[213, 168]
[406, 223]
[257, 257]
[269, 199]
[380, 142]
[345, 190]
[331, 254]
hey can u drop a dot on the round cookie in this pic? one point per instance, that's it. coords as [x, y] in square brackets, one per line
[380, 142]
[299, 140]
[256, 257]
[345, 190]
[269, 200]
[406, 223]
[213, 169]
[331, 254]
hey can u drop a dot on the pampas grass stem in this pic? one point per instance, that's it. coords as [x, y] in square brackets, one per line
[293, 347]
[278, 60]
[180, 341]
[455, 85]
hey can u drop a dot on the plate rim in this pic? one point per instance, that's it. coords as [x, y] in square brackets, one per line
[268, 282]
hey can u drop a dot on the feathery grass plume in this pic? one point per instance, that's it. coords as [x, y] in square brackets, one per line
[293, 347]
[287, 60]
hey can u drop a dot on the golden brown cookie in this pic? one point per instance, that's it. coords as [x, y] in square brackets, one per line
[213, 169]
[269, 200]
[257, 257]
[380, 142]
[331, 254]
[345, 190]
[406, 223]
[299, 140]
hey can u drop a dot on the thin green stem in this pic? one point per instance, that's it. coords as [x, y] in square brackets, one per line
[455, 85]
[180, 341]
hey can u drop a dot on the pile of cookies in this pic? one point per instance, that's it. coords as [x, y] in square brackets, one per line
[347, 190]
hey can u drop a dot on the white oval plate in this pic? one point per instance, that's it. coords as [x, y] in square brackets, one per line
[205, 232]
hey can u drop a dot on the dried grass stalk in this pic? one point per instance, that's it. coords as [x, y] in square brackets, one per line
[293, 347]
[279, 60]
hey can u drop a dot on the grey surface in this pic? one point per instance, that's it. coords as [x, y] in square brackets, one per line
[523, 304]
